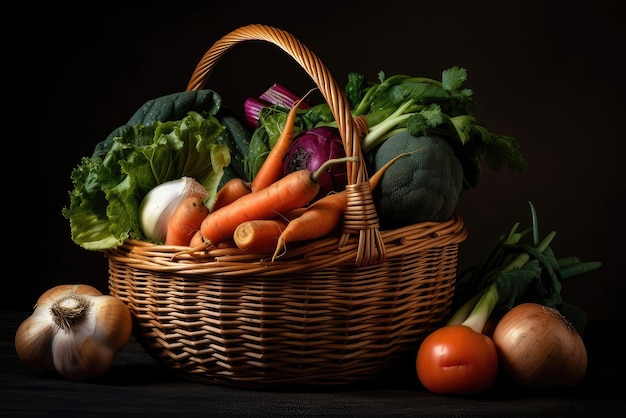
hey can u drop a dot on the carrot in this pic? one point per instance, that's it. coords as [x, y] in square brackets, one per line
[258, 235]
[197, 239]
[272, 168]
[320, 219]
[324, 215]
[289, 192]
[261, 235]
[232, 190]
[229, 243]
[185, 221]
[377, 176]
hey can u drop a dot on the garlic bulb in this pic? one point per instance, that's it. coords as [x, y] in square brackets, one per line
[75, 331]
[160, 203]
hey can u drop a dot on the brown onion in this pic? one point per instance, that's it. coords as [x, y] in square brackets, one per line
[538, 347]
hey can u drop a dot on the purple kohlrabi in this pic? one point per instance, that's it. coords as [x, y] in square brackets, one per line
[310, 149]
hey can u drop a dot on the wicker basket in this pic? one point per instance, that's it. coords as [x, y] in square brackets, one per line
[332, 311]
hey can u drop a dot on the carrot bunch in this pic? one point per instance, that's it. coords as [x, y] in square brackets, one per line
[267, 220]
[241, 212]
[289, 193]
[315, 221]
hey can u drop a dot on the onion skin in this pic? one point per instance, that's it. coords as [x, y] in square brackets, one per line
[74, 331]
[539, 348]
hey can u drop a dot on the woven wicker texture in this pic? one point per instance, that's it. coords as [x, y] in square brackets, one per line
[332, 311]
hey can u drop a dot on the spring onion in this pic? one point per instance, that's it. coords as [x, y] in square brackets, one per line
[512, 272]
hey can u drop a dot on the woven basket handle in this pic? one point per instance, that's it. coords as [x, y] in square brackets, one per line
[360, 217]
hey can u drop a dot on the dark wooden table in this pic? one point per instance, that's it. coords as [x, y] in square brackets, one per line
[137, 386]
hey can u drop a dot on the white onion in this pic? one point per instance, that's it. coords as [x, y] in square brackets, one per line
[538, 347]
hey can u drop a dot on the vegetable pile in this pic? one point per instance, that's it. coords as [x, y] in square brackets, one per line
[187, 172]
[537, 337]
[190, 135]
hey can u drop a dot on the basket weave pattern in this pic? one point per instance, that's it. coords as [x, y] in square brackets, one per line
[332, 311]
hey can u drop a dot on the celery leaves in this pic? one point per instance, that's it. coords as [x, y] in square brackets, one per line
[424, 106]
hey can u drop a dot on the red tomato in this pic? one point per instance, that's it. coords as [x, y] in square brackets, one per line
[456, 360]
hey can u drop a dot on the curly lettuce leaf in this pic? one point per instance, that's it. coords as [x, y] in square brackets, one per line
[104, 204]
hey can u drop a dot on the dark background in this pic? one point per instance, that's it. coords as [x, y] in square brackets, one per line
[548, 73]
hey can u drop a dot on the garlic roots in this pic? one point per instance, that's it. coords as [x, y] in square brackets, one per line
[75, 331]
[159, 204]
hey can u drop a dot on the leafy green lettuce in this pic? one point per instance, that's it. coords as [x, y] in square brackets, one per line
[109, 187]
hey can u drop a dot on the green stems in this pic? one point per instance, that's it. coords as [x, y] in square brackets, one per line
[523, 258]
[479, 315]
[377, 133]
[475, 312]
[464, 311]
